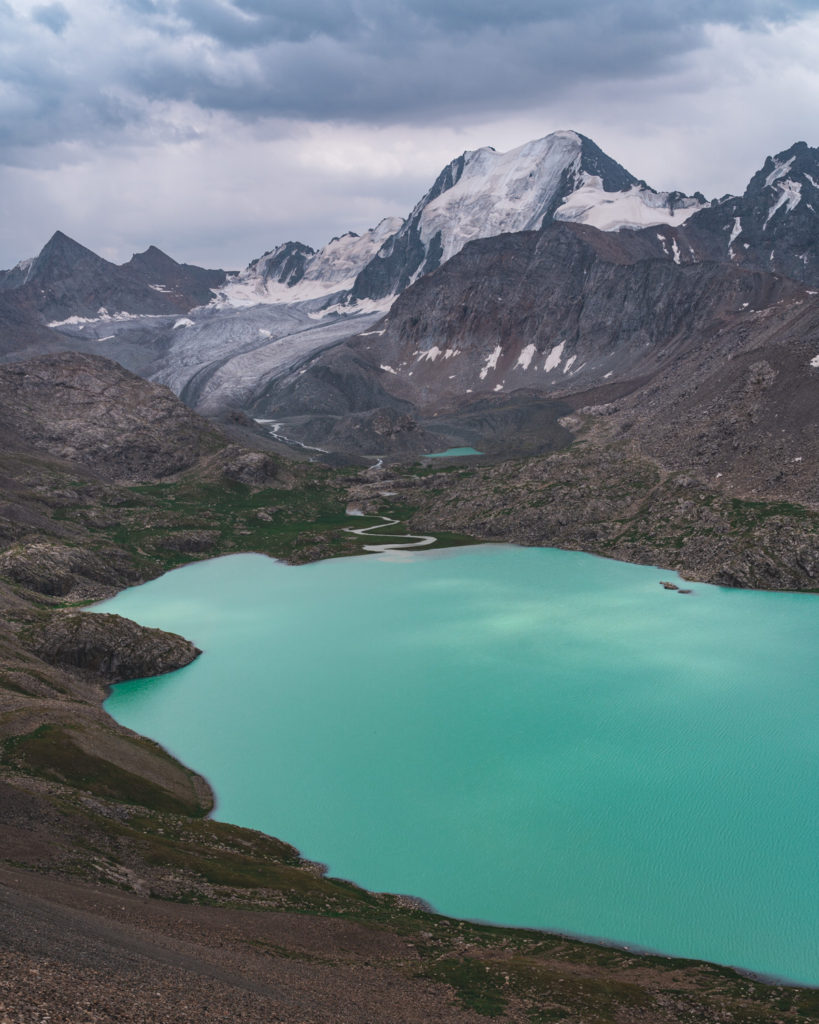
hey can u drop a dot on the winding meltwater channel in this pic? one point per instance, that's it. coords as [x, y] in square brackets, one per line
[519, 735]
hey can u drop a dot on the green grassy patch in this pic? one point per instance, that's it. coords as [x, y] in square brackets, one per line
[478, 986]
[51, 752]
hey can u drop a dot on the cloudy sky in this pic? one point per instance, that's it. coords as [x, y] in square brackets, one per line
[218, 128]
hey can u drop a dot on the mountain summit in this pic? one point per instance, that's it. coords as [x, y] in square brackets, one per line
[481, 193]
[563, 176]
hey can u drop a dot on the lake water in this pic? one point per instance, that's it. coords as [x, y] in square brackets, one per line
[523, 736]
[452, 453]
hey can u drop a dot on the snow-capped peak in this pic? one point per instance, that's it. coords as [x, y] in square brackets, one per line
[500, 192]
[294, 272]
[482, 193]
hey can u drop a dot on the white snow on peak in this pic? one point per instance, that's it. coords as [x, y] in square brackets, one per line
[183, 321]
[526, 356]
[491, 361]
[736, 231]
[499, 192]
[790, 192]
[638, 207]
[811, 179]
[358, 307]
[103, 316]
[779, 171]
[24, 267]
[495, 193]
[554, 357]
[332, 269]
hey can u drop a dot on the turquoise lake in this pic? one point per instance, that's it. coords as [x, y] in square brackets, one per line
[452, 453]
[517, 735]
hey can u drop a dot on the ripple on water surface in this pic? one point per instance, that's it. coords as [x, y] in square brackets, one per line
[525, 736]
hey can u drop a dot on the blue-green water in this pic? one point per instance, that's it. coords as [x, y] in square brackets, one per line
[452, 453]
[524, 736]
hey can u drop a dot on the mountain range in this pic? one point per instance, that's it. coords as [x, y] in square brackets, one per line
[522, 288]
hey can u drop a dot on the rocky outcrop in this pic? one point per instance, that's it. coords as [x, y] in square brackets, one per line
[57, 570]
[89, 410]
[107, 645]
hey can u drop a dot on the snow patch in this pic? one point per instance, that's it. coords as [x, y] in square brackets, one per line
[103, 317]
[183, 321]
[355, 308]
[526, 356]
[811, 179]
[815, 362]
[491, 362]
[554, 357]
[638, 207]
[790, 192]
[675, 250]
[430, 355]
[388, 369]
[736, 231]
[498, 387]
[779, 171]
[569, 363]
[160, 288]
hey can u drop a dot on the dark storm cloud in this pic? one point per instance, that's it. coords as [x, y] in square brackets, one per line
[88, 69]
[383, 60]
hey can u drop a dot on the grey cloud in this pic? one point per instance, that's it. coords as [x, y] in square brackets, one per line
[378, 61]
[383, 60]
[54, 16]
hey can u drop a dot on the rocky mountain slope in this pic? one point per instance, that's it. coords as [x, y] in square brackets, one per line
[67, 280]
[248, 348]
[563, 319]
[772, 226]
